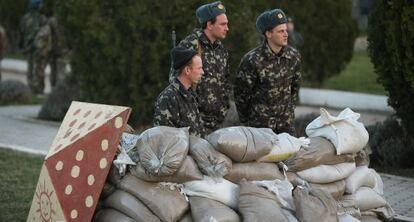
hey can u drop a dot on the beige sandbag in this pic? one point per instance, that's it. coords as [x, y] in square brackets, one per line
[111, 215]
[347, 205]
[370, 219]
[361, 177]
[256, 204]
[379, 185]
[187, 172]
[243, 144]
[336, 189]
[319, 152]
[362, 157]
[366, 199]
[385, 213]
[107, 190]
[162, 149]
[314, 205]
[130, 206]
[327, 173]
[211, 162]
[344, 131]
[187, 218]
[207, 210]
[221, 190]
[253, 171]
[285, 147]
[347, 218]
[113, 176]
[167, 204]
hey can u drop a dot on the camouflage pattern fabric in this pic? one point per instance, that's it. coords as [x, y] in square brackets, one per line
[177, 107]
[214, 88]
[60, 54]
[267, 87]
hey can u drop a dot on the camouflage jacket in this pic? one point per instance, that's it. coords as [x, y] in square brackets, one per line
[34, 33]
[177, 107]
[214, 88]
[267, 86]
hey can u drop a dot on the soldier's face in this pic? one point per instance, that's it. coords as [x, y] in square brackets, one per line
[278, 35]
[220, 28]
[196, 70]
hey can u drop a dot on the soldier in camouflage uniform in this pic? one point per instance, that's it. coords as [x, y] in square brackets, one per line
[214, 89]
[59, 55]
[176, 106]
[268, 78]
[36, 43]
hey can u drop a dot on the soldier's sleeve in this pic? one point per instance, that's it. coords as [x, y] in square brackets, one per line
[164, 114]
[297, 79]
[227, 84]
[243, 88]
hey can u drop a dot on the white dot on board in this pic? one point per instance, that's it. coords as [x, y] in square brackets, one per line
[74, 214]
[75, 171]
[79, 155]
[104, 145]
[59, 165]
[103, 163]
[118, 122]
[68, 189]
[91, 180]
[89, 201]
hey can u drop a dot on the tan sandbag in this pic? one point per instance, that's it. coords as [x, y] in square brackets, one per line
[162, 149]
[187, 172]
[167, 204]
[187, 218]
[370, 219]
[362, 157]
[347, 218]
[314, 205]
[111, 215]
[253, 171]
[211, 162]
[320, 152]
[285, 147]
[130, 206]
[385, 213]
[205, 210]
[256, 204]
[327, 173]
[113, 176]
[107, 190]
[348, 206]
[366, 199]
[243, 144]
[361, 177]
[336, 189]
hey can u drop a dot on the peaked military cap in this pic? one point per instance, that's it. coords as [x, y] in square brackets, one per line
[209, 11]
[269, 19]
[180, 56]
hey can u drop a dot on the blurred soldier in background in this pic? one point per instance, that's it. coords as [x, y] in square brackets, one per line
[35, 42]
[295, 38]
[2, 44]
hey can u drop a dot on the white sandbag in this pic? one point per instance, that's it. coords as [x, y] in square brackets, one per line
[347, 218]
[345, 132]
[379, 185]
[327, 173]
[366, 199]
[385, 213]
[285, 147]
[362, 176]
[336, 189]
[243, 144]
[205, 210]
[162, 149]
[290, 215]
[223, 190]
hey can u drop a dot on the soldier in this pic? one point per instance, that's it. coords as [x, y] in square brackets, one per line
[268, 78]
[176, 106]
[36, 43]
[214, 88]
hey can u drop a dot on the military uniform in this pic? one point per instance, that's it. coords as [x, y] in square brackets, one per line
[177, 107]
[59, 56]
[267, 86]
[214, 88]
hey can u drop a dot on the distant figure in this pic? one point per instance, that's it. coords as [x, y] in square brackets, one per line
[59, 55]
[295, 38]
[35, 42]
[2, 44]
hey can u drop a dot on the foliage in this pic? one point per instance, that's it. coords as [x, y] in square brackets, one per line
[391, 47]
[10, 13]
[14, 92]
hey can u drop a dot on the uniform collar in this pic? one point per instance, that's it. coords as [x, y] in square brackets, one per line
[205, 41]
[270, 54]
[187, 94]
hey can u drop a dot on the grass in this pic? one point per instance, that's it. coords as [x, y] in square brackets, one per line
[18, 179]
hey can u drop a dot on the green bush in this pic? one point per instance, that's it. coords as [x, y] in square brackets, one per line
[14, 92]
[10, 13]
[391, 48]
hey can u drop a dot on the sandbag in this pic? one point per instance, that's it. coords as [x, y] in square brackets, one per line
[319, 152]
[366, 198]
[130, 206]
[370, 219]
[211, 162]
[187, 172]
[256, 204]
[347, 218]
[113, 176]
[336, 189]
[362, 157]
[162, 149]
[285, 147]
[187, 218]
[111, 215]
[290, 215]
[243, 144]
[223, 190]
[385, 213]
[345, 132]
[107, 190]
[282, 189]
[327, 173]
[167, 204]
[314, 205]
[346, 205]
[362, 176]
[205, 210]
[379, 185]
[253, 171]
